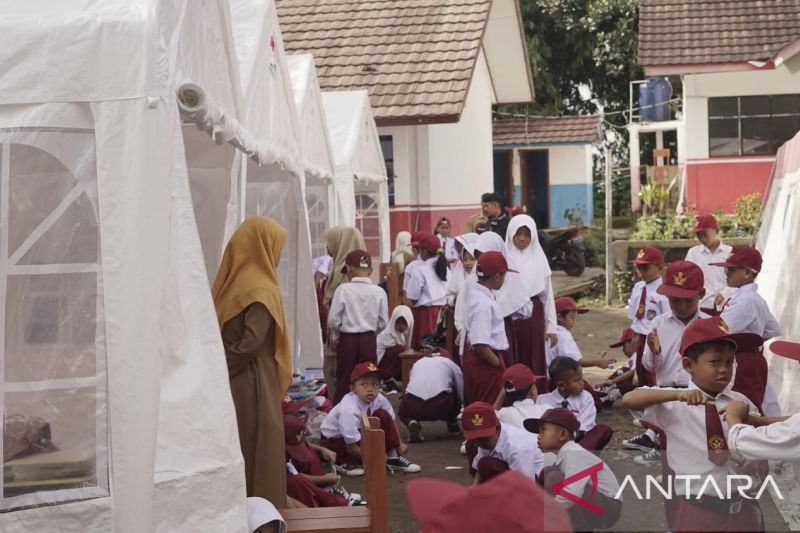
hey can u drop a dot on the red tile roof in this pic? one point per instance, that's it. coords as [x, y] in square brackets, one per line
[415, 57]
[545, 130]
[694, 32]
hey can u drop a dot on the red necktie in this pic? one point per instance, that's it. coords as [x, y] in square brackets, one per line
[715, 437]
[642, 302]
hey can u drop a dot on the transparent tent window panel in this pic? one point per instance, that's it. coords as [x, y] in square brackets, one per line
[55, 431]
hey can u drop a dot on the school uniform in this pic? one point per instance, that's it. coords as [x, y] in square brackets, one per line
[715, 280]
[567, 347]
[358, 312]
[449, 248]
[644, 305]
[435, 391]
[747, 312]
[483, 325]
[409, 271]
[303, 490]
[342, 426]
[779, 441]
[667, 366]
[516, 449]
[430, 294]
[516, 414]
[592, 436]
[695, 445]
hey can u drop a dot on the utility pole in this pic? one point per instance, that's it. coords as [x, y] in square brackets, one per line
[609, 212]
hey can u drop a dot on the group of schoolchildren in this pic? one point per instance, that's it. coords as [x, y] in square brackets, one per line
[695, 374]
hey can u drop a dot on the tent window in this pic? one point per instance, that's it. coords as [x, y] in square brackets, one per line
[387, 147]
[751, 125]
[52, 353]
[368, 216]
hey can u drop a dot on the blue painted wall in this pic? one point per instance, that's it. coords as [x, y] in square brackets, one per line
[563, 197]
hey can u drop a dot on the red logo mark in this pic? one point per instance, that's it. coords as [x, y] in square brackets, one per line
[558, 488]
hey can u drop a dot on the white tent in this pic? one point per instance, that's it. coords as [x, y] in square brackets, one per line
[275, 188]
[317, 151]
[109, 331]
[360, 183]
[779, 242]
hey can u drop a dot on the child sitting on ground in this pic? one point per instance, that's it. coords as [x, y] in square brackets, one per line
[556, 430]
[519, 391]
[567, 374]
[341, 429]
[623, 380]
[394, 340]
[494, 447]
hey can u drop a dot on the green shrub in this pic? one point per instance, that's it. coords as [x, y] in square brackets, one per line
[623, 279]
[747, 210]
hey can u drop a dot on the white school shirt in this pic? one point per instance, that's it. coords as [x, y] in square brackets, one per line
[449, 247]
[358, 307]
[484, 323]
[409, 271]
[715, 280]
[779, 441]
[668, 365]
[747, 312]
[433, 375]
[687, 443]
[572, 459]
[425, 287]
[549, 304]
[344, 420]
[582, 406]
[518, 448]
[657, 304]
[322, 264]
[455, 284]
[521, 411]
[566, 346]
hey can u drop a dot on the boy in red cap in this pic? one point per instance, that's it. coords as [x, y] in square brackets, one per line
[435, 391]
[711, 249]
[519, 391]
[444, 507]
[567, 311]
[683, 285]
[747, 312]
[696, 432]
[556, 431]
[494, 447]
[341, 429]
[485, 332]
[426, 290]
[571, 393]
[645, 303]
[357, 313]
[624, 378]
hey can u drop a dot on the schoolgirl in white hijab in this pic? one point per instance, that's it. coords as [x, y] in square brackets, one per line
[459, 275]
[391, 335]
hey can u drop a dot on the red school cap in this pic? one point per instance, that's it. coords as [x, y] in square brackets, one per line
[416, 237]
[363, 369]
[789, 350]
[430, 243]
[478, 420]
[491, 263]
[443, 507]
[289, 406]
[357, 258]
[558, 416]
[715, 329]
[683, 279]
[294, 431]
[743, 257]
[649, 255]
[627, 334]
[520, 377]
[705, 222]
[566, 303]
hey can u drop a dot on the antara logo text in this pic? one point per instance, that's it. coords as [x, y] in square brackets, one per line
[735, 486]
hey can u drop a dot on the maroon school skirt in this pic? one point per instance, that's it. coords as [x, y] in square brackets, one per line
[646, 378]
[527, 339]
[424, 322]
[482, 381]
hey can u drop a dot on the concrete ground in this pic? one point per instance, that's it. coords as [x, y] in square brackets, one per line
[439, 456]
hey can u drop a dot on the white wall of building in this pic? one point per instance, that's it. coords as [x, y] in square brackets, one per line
[698, 88]
[570, 164]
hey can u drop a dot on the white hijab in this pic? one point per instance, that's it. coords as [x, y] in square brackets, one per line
[402, 246]
[260, 512]
[531, 262]
[512, 296]
[455, 285]
[390, 337]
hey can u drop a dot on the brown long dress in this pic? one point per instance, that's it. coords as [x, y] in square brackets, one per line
[249, 340]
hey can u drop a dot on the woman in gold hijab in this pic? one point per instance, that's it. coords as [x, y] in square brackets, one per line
[247, 296]
[340, 240]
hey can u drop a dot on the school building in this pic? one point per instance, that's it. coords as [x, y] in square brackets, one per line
[735, 68]
[545, 164]
[433, 72]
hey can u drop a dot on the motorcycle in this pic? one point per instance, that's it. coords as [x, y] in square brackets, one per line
[565, 250]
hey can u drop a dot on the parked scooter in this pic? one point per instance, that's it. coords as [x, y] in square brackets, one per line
[565, 250]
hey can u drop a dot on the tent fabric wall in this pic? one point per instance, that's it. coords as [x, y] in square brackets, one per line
[278, 190]
[174, 462]
[779, 242]
[357, 156]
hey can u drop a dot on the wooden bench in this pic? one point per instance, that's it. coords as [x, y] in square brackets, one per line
[372, 518]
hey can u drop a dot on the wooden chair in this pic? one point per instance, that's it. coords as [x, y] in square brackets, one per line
[370, 519]
[390, 272]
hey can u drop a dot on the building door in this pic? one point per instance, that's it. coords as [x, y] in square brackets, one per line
[536, 185]
[503, 178]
